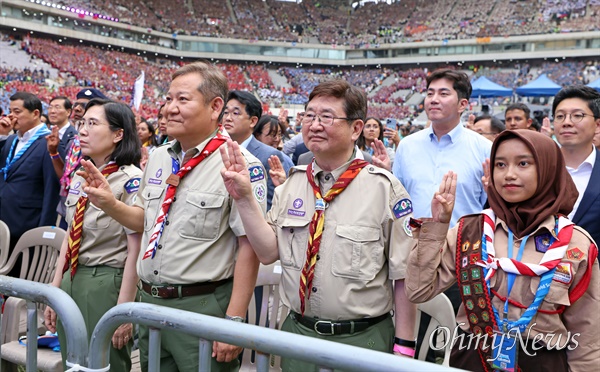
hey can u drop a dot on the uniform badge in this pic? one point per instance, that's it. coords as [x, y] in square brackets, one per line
[476, 245]
[260, 192]
[298, 203]
[485, 316]
[466, 245]
[473, 259]
[563, 273]
[477, 330]
[256, 173]
[132, 185]
[159, 173]
[575, 254]
[466, 290]
[407, 228]
[465, 262]
[542, 242]
[481, 302]
[475, 273]
[464, 275]
[473, 319]
[469, 304]
[402, 208]
[478, 287]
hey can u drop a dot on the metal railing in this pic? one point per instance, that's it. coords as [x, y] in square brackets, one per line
[326, 354]
[65, 308]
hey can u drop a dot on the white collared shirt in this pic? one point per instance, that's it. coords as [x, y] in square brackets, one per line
[63, 130]
[246, 142]
[26, 136]
[581, 176]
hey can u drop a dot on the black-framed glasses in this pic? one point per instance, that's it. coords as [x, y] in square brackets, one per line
[325, 119]
[576, 117]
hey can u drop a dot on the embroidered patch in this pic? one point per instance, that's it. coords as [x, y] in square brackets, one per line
[563, 273]
[465, 262]
[489, 330]
[256, 173]
[407, 228]
[485, 316]
[132, 185]
[481, 302]
[298, 203]
[477, 330]
[575, 254]
[74, 192]
[542, 242]
[260, 192]
[402, 208]
[293, 212]
[158, 173]
[466, 290]
[154, 181]
[473, 258]
[464, 275]
[469, 304]
[475, 273]
[476, 245]
[466, 245]
[76, 185]
[473, 319]
[478, 287]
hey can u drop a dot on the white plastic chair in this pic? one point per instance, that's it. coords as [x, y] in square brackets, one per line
[442, 315]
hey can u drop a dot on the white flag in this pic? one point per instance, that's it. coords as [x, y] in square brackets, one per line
[138, 91]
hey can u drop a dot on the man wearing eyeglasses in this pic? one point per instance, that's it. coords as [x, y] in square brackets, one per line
[576, 112]
[340, 228]
[240, 116]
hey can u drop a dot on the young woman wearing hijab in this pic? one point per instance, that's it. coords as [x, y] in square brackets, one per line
[96, 266]
[528, 277]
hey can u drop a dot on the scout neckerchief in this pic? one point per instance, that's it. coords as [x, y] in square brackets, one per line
[72, 163]
[317, 222]
[72, 256]
[13, 158]
[173, 182]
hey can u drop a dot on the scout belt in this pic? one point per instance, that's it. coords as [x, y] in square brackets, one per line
[178, 291]
[340, 327]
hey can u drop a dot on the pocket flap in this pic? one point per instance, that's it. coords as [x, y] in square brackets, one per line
[205, 200]
[294, 222]
[151, 192]
[358, 233]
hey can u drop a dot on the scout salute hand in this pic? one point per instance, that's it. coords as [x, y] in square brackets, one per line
[235, 173]
[277, 172]
[443, 200]
[96, 186]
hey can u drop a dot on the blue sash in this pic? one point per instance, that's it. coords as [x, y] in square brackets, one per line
[12, 158]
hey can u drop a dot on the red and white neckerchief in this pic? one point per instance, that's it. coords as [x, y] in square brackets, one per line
[551, 258]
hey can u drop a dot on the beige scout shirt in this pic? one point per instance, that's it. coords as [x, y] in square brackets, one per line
[363, 248]
[199, 243]
[104, 240]
[431, 270]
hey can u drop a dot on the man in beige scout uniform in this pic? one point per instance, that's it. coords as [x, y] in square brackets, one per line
[192, 230]
[339, 227]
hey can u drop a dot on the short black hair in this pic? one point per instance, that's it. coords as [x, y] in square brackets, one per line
[519, 106]
[253, 105]
[460, 81]
[119, 115]
[30, 101]
[270, 120]
[66, 102]
[585, 93]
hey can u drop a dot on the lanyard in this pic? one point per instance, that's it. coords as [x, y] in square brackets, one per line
[511, 277]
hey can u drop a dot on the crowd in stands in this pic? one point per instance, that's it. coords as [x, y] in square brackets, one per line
[336, 22]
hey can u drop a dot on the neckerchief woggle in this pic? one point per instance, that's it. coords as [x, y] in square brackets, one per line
[43, 131]
[541, 292]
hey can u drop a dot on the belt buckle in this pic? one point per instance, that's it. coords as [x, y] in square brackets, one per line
[323, 333]
[154, 291]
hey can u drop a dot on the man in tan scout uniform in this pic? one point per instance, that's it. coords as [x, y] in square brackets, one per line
[192, 230]
[348, 217]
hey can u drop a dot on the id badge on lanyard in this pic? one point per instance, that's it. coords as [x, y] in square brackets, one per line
[505, 351]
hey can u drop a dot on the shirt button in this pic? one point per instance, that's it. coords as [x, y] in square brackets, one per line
[314, 289]
[327, 177]
[318, 257]
[174, 198]
[424, 229]
[155, 272]
[159, 246]
[166, 222]
[291, 231]
[371, 169]
[202, 204]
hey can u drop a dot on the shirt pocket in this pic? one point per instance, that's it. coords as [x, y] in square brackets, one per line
[152, 197]
[202, 216]
[357, 252]
[94, 218]
[557, 296]
[293, 243]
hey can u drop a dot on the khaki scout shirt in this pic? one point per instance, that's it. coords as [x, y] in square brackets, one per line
[199, 243]
[104, 240]
[364, 245]
[431, 270]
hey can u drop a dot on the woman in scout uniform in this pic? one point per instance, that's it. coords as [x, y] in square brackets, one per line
[97, 260]
[527, 275]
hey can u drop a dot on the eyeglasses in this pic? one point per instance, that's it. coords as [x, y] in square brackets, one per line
[325, 119]
[234, 114]
[87, 124]
[575, 117]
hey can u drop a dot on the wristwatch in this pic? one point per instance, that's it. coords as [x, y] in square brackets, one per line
[238, 319]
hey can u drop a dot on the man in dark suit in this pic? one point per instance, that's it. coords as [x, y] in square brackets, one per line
[28, 183]
[240, 115]
[576, 112]
[59, 112]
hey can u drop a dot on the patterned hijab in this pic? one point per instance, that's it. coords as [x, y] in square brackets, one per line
[556, 192]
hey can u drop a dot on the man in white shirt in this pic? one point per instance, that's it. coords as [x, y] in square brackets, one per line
[576, 112]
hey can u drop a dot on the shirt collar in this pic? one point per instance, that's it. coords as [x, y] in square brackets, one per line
[27, 135]
[336, 173]
[454, 134]
[174, 148]
[63, 130]
[548, 224]
[246, 142]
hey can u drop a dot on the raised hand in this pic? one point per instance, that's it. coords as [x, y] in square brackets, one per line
[392, 135]
[443, 200]
[235, 173]
[546, 127]
[96, 186]
[6, 125]
[380, 155]
[53, 140]
[485, 179]
[277, 173]
[471, 121]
